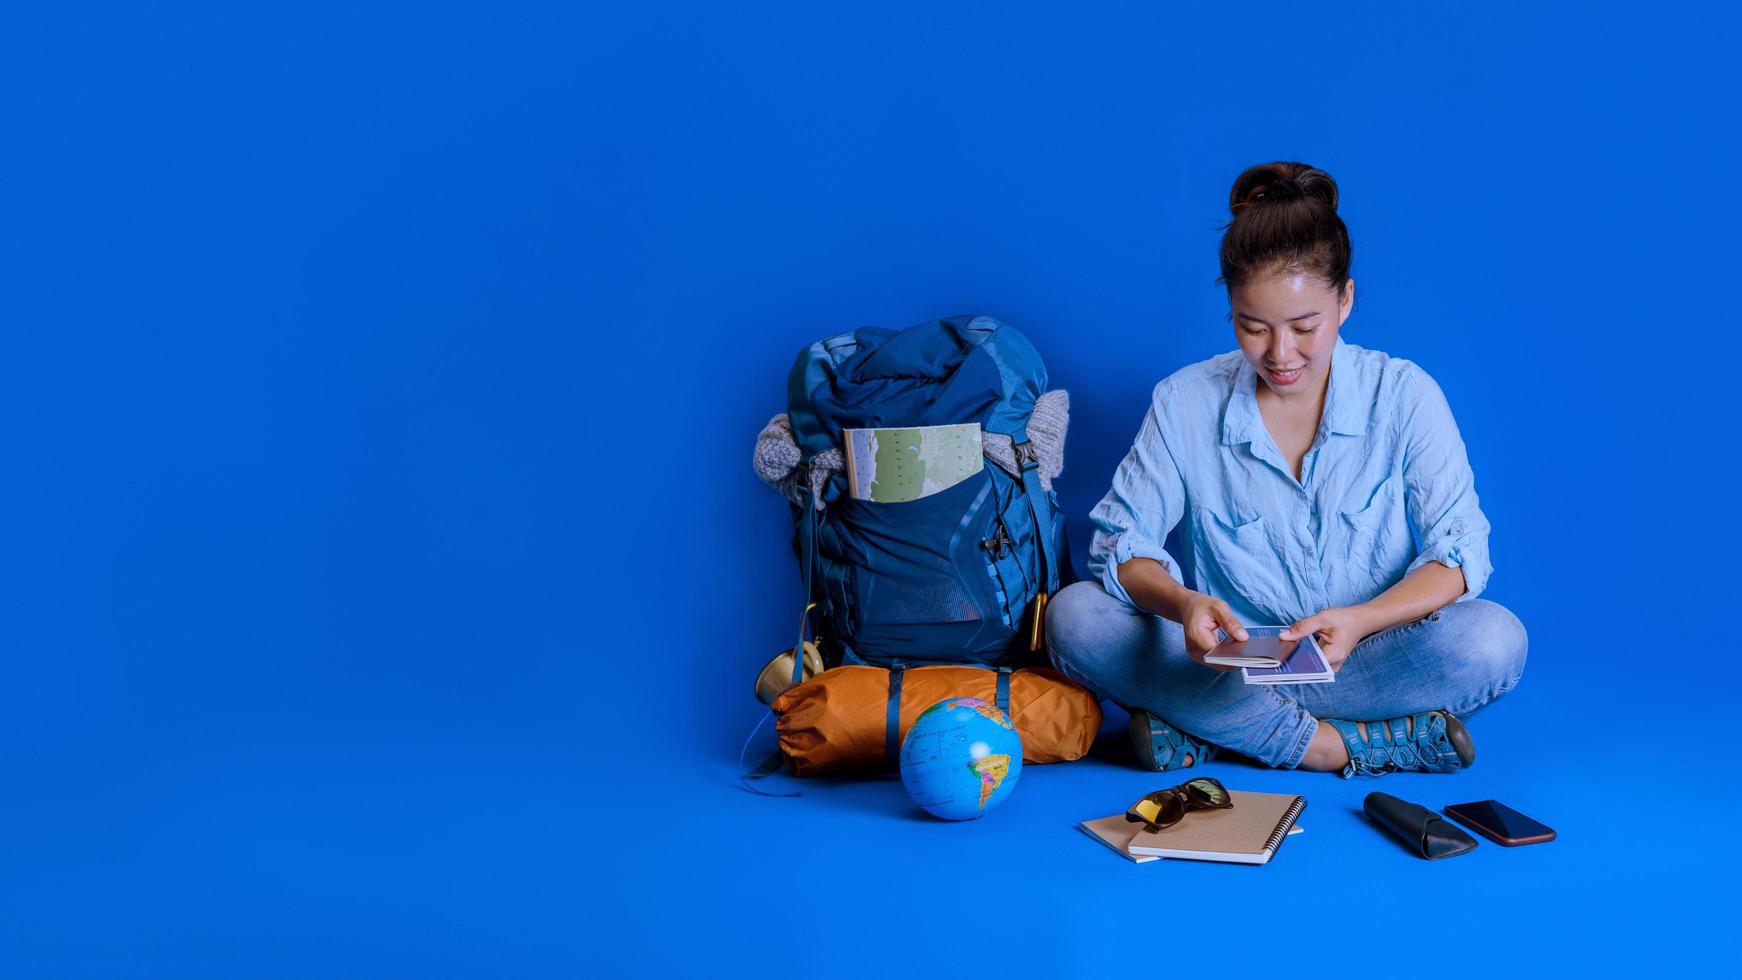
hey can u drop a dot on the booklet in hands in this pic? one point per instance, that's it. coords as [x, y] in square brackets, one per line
[1264, 657]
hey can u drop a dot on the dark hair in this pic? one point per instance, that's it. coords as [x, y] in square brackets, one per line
[1285, 215]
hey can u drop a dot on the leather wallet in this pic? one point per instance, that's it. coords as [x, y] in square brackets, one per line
[1420, 829]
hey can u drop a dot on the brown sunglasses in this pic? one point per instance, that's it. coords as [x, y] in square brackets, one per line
[1166, 807]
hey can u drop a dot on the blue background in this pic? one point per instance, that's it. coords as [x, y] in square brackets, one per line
[384, 575]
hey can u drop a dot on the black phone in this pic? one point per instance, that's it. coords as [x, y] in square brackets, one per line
[1500, 823]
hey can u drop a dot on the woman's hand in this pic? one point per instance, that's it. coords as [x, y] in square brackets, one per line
[1337, 631]
[1202, 615]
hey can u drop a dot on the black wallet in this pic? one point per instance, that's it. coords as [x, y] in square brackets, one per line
[1420, 829]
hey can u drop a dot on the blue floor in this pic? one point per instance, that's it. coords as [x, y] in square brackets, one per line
[581, 838]
[1639, 877]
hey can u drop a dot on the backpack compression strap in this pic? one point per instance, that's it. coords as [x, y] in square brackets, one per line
[1029, 460]
[892, 716]
[892, 720]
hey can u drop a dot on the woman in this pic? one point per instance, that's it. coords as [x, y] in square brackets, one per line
[1300, 465]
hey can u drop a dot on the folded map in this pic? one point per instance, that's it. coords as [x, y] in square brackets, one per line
[894, 465]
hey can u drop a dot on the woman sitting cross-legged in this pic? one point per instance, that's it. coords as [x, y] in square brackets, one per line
[1305, 470]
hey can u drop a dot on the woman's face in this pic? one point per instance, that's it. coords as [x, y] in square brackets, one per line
[1287, 323]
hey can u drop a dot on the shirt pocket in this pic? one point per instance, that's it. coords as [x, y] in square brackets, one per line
[1243, 555]
[1367, 527]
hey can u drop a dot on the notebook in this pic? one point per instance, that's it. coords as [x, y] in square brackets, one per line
[1116, 832]
[1247, 833]
[897, 465]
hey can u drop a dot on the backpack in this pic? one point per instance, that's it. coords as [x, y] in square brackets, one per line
[957, 577]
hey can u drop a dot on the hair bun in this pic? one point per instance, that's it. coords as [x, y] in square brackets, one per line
[1280, 182]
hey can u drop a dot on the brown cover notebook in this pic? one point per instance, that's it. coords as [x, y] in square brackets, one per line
[1116, 832]
[1248, 833]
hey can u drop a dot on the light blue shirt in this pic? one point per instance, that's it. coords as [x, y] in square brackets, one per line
[1385, 489]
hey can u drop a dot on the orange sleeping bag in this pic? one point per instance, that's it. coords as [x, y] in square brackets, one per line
[837, 720]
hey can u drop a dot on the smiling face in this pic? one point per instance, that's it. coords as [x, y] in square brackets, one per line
[1286, 322]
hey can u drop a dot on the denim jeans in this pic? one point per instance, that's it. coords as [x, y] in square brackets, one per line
[1459, 658]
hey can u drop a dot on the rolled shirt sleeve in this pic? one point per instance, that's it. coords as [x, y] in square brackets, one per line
[1145, 502]
[1440, 489]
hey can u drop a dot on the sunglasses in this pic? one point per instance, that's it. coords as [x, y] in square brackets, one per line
[1166, 807]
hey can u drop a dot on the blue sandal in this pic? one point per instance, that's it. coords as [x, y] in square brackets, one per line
[1161, 747]
[1433, 741]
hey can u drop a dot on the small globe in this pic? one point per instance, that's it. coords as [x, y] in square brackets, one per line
[961, 758]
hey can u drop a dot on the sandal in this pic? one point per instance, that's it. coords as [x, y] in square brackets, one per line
[1433, 741]
[1161, 747]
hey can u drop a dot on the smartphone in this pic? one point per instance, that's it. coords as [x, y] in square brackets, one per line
[1500, 823]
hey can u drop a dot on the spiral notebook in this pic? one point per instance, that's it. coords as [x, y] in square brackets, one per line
[1116, 832]
[1249, 832]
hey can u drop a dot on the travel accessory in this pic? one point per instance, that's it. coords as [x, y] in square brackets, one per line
[1163, 808]
[855, 718]
[1248, 832]
[892, 466]
[776, 676]
[1257, 650]
[1117, 834]
[1160, 747]
[959, 576]
[1264, 657]
[1432, 741]
[1500, 823]
[1420, 829]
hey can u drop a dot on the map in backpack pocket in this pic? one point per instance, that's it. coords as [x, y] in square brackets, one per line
[896, 465]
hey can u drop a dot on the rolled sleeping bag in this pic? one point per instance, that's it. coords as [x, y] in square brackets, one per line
[837, 720]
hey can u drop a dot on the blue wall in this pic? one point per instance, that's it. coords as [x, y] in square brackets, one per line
[379, 388]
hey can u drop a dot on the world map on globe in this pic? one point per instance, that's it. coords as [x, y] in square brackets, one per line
[957, 738]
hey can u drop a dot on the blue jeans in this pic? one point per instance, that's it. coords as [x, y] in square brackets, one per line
[1459, 658]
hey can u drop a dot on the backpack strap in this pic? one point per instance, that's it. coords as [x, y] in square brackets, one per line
[807, 542]
[892, 720]
[1029, 460]
[807, 537]
[892, 717]
[774, 761]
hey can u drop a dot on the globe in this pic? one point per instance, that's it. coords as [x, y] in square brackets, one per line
[961, 758]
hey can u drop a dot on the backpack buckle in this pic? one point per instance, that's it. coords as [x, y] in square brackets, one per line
[998, 542]
[1026, 454]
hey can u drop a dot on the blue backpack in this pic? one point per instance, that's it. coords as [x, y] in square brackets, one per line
[958, 577]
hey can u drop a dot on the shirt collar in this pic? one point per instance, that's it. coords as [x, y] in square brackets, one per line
[1345, 409]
